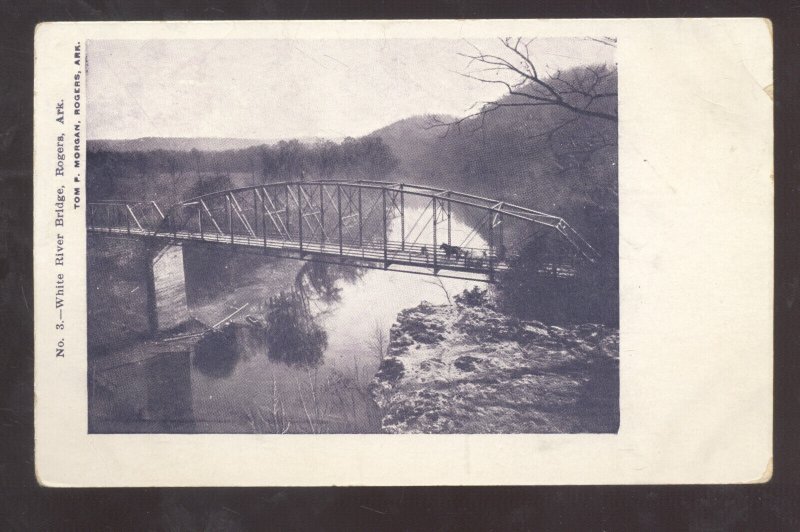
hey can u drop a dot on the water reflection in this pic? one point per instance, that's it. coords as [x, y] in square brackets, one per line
[142, 391]
[288, 333]
[320, 281]
[293, 336]
[217, 352]
[169, 387]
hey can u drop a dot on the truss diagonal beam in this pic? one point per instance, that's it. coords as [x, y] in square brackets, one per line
[211, 217]
[317, 214]
[274, 214]
[240, 215]
[135, 219]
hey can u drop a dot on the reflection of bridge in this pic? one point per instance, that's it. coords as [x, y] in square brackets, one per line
[370, 223]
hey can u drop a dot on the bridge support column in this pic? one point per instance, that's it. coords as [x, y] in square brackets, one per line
[435, 265]
[402, 220]
[166, 289]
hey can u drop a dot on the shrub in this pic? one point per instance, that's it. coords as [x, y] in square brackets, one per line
[472, 298]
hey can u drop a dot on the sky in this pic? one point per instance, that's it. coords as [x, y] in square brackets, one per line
[274, 89]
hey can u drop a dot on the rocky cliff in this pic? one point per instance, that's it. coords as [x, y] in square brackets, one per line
[463, 369]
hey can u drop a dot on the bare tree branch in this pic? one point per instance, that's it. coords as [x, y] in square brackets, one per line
[576, 93]
[436, 281]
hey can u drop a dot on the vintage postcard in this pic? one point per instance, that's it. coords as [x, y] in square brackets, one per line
[403, 252]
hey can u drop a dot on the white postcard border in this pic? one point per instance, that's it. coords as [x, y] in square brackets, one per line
[696, 266]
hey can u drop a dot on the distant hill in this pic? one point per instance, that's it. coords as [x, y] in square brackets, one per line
[183, 143]
[411, 140]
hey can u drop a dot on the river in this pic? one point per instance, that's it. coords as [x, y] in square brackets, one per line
[242, 379]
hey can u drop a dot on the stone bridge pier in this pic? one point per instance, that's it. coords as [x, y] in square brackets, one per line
[167, 305]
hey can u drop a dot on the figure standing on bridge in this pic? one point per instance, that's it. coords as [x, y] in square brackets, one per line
[483, 259]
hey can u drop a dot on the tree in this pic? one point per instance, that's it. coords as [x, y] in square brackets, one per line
[375, 158]
[589, 91]
[291, 159]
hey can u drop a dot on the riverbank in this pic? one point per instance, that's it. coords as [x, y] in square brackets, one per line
[471, 369]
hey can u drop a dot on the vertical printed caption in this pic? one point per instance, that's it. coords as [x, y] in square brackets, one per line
[68, 181]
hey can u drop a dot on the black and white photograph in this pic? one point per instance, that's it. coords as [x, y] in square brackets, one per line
[352, 235]
[400, 252]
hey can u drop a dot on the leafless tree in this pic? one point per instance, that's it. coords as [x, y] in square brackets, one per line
[582, 92]
[281, 424]
[300, 393]
[436, 281]
[378, 341]
[259, 423]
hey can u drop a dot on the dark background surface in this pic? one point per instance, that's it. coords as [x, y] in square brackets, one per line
[25, 506]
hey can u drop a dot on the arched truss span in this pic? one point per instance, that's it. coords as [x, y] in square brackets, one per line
[368, 222]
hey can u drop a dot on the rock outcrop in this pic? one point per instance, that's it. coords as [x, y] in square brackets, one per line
[462, 369]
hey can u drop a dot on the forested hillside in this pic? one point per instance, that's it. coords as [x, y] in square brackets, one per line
[542, 157]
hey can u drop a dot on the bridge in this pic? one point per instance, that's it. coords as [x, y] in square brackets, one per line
[372, 224]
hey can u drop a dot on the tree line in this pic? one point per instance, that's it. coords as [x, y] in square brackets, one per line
[361, 158]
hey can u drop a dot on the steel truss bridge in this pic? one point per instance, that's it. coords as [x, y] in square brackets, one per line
[368, 223]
